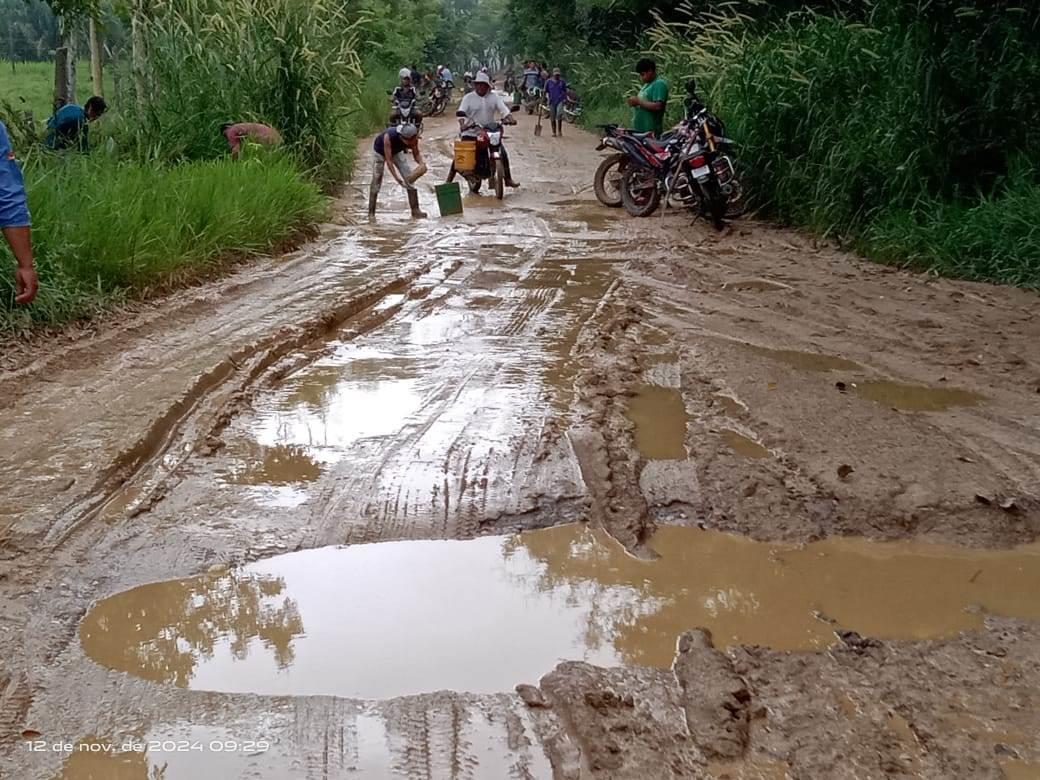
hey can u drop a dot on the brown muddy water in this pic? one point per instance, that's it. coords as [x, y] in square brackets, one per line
[742, 445]
[396, 618]
[916, 398]
[659, 415]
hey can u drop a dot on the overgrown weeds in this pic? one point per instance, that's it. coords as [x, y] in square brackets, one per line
[138, 226]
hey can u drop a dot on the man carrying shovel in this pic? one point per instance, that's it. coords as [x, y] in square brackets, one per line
[391, 148]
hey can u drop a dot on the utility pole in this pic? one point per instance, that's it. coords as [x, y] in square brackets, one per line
[95, 59]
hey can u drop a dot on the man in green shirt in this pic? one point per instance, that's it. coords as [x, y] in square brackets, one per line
[650, 103]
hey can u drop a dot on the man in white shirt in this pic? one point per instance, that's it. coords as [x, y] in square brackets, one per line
[481, 106]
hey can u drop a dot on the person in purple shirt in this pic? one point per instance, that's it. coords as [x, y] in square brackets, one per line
[556, 94]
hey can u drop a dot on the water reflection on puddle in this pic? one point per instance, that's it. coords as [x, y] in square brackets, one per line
[320, 411]
[398, 618]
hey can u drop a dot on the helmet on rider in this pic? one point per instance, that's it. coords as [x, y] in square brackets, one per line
[404, 73]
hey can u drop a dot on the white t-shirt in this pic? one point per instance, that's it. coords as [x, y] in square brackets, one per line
[482, 109]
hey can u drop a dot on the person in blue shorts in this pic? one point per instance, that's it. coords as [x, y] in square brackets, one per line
[15, 222]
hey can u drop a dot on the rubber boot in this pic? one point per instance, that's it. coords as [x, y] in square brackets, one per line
[372, 196]
[413, 204]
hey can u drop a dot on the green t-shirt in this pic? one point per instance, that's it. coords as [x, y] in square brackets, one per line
[642, 119]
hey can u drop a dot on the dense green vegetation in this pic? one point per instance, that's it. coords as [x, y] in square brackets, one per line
[107, 231]
[157, 200]
[906, 129]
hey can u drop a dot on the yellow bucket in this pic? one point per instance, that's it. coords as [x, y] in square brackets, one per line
[465, 156]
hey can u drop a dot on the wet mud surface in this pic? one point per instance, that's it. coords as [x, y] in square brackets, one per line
[318, 519]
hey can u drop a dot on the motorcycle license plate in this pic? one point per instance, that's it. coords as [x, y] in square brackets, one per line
[699, 173]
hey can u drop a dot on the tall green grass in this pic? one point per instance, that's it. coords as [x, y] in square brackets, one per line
[910, 133]
[292, 64]
[105, 232]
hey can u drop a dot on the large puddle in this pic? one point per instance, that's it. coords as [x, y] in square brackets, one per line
[396, 618]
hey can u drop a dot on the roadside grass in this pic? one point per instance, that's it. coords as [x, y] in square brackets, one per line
[108, 229]
[888, 138]
[104, 232]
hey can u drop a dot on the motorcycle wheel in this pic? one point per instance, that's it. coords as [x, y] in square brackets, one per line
[607, 181]
[639, 193]
[500, 179]
[736, 205]
[474, 184]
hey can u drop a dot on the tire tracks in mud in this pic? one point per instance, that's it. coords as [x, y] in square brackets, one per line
[147, 469]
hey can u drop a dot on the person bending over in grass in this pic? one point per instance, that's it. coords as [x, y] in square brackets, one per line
[14, 221]
[67, 129]
[236, 132]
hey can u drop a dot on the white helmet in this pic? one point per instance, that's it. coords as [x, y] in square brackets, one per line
[482, 78]
[405, 73]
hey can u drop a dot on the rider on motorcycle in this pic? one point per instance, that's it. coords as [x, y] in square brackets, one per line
[480, 106]
[404, 92]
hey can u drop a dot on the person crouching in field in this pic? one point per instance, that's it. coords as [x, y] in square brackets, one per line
[253, 132]
[14, 221]
[67, 129]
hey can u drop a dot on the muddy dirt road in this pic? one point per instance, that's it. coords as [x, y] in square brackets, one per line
[269, 527]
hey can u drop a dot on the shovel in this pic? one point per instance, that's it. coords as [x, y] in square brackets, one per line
[538, 123]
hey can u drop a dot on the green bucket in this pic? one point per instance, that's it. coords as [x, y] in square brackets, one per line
[449, 198]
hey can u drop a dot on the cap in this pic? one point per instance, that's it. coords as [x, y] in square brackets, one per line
[405, 73]
[482, 78]
[408, 131]
[556, 71]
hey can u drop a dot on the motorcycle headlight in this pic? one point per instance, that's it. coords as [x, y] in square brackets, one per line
[495, 138]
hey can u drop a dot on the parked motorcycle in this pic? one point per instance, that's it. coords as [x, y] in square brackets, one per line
[607, 181]
[490, 164]
[692, 165]
[571, 108]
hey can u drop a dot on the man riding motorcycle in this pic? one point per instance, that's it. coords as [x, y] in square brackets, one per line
[480, 106]
[404, 92]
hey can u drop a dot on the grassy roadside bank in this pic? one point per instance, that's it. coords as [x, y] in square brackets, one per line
[108, 230]
[911, 138]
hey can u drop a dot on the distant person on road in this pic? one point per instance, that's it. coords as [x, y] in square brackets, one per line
[67, 129]
[556, 93]
[15, 222]
[237, 132]
[391, 149]
[404, 93]
[530, 79]
[650, 103]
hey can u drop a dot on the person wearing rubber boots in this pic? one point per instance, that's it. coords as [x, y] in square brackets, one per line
[391, 148]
